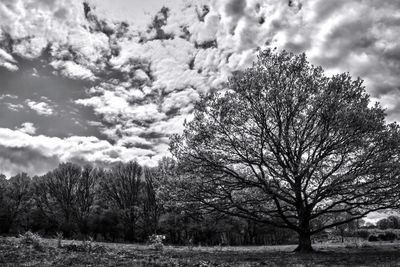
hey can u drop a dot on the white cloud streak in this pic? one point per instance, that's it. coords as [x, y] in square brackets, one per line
[41, 108]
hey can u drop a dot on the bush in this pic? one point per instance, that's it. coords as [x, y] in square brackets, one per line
[362, 234]
[157, 241]
[373, 238]
[365, 245]
[85, 246]
[388, 236]
[31, 239]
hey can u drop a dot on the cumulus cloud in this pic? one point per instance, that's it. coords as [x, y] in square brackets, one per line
[185, 53]
[39, 154]
[72, 70]
[7, 61]
[41, 108]
[29, 27]
[28, 128]
[14, 107]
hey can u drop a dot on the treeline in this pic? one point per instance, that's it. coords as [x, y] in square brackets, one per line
[391, 222]
[126, 203]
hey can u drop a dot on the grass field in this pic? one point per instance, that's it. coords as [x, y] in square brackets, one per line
[75, 253]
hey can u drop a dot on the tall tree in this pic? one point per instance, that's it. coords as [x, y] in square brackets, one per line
[16, 197]
[85, 196]
[152, 206]
[286, 145]
[56, 194]
[122, 187]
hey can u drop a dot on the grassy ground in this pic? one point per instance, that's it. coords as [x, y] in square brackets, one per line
[74, 253]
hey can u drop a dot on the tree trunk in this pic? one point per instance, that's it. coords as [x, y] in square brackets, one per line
[305, 229]
[304, 243]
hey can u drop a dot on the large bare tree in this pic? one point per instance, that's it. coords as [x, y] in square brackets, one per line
[288, 146]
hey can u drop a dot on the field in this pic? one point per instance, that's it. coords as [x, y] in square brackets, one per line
[77, 253]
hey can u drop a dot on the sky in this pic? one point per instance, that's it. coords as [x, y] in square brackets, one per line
[104, 81]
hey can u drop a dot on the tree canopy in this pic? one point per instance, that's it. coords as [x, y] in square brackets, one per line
[286, 145]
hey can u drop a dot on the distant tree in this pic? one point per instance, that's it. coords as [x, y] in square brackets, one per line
[394, 222]
[152, 206]
[383, 224]
[391, 222]
[285, 145]
[122, 187]
[85, 196]
[3, 204]
[346, 229]
[15, 199]
[56, 195]
[3, 186]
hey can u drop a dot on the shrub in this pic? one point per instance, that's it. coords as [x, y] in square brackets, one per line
[59, 237]
[157, 241]
[382, 237]
[373, 238]
[31, 239]
[362, 234]
[365, 245]
[388, 236]
[85, 246]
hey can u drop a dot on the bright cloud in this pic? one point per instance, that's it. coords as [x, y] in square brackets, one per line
[42, 108]
[28, 128]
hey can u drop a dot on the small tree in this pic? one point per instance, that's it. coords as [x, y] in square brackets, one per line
[285, 145]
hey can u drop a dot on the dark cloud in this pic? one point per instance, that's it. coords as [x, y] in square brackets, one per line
[23, 159]
[235, 8]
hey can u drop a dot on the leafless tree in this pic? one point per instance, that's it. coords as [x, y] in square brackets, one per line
[16, 197]
[122, 187]
[85, 196]
[152, 206]
[56, 194]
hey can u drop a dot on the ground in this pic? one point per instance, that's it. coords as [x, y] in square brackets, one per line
[76, 253]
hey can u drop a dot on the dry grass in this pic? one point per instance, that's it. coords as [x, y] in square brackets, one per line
[76, 253]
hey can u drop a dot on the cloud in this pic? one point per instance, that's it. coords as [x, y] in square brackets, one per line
[72, 70]
[354, 36]
[4, 96]
[14, 160]
[7, 61]
[30, 27]
[41, 108]
[185, 53]
[14, 107]
[23, 152]
[36, 23]
[28, 128]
